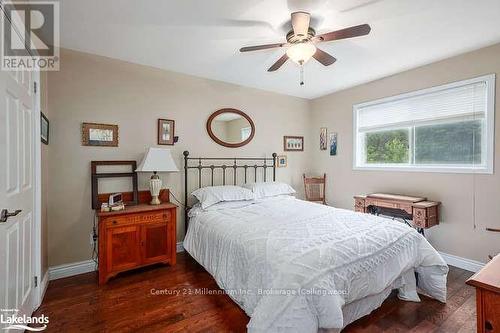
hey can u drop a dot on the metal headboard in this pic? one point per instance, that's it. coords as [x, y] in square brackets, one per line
[214, 163]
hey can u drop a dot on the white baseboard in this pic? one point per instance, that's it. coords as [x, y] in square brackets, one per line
[66, 270]
[62, 271]
[463, 263]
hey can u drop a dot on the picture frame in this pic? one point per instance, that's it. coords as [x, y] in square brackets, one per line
[293, 143]
[333, 144]
[281, 161]
[166, 132]
[100, 135]
[44, 128]
[323, 143]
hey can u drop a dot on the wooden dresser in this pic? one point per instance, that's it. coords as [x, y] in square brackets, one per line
[487, 284]
[138, 236]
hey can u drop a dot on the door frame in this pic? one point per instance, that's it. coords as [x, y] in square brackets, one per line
[42, 281]
[37, 192]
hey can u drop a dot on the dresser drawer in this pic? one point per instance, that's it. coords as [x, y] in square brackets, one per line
[359, 205]
[152, 217]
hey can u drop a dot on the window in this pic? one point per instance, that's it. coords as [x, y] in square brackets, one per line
[443, 129]
[245, 133]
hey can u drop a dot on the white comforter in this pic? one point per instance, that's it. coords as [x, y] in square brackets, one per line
[293, 265]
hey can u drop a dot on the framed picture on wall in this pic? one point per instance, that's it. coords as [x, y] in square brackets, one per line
[333, 144]
[293, 143]
[44, 129]
[323, 144]
[103, 135]
[166, 131]
[281, 161]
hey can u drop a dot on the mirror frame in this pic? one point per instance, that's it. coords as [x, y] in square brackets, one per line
[227, 144]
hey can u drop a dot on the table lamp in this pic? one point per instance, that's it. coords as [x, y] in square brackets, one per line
[156, 160]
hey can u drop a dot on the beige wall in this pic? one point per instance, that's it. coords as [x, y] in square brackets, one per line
[45, 152]
[96, 89]
[456, 234]
[90, 88]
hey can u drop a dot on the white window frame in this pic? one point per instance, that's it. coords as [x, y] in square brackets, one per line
[489, 128]
[246, 128]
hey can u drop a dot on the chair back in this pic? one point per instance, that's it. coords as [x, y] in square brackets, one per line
[315, 188]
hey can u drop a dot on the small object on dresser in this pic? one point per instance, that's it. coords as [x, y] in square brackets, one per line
[105, 207]
[117, 206]
[115, 198]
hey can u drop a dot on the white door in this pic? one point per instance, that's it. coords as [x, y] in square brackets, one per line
[18, 109]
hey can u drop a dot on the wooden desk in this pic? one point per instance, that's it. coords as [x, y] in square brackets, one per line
[423, 213]
[487, 284]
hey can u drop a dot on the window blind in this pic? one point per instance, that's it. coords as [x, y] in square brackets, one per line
[462, 102]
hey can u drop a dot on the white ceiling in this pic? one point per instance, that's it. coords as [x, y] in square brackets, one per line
[202, 38]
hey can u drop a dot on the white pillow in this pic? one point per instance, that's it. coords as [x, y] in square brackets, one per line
[211, 195]
[270, 189]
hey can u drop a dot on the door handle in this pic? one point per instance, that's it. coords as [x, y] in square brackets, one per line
[4, 215]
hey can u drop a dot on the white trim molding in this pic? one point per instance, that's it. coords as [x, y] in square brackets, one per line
[81, 267]
[75, 268]
[463, 263]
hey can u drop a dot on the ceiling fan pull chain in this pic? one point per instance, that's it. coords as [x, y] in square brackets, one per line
[302, 74]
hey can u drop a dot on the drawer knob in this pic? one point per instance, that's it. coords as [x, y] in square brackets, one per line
[114, 222]
[488, 326]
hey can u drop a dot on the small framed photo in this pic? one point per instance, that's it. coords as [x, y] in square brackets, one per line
[281, 161]
[44, 128]
[102, 135]
[293, 143]
[166, 131]
[333, 144]
[323, 144]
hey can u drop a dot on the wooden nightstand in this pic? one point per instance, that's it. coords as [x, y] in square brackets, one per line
[138, 236]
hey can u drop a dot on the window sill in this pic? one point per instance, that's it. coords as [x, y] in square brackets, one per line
[436, 169]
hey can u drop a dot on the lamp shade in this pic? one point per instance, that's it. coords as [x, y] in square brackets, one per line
[157, 160]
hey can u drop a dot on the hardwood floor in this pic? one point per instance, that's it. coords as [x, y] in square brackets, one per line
[128, 304]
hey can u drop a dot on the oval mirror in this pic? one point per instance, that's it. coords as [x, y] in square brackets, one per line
[230, 128]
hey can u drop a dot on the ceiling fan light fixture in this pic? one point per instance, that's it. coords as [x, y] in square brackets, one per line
[300, 53]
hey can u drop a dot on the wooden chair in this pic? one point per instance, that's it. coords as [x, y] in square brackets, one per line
[315, 188]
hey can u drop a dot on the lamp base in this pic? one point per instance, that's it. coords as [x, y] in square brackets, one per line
[154, 188]
[154, 200]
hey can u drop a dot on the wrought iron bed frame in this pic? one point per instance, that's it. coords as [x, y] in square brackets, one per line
[214, 163]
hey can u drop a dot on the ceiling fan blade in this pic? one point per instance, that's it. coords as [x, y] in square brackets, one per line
[278, 63]
[324, 58]
[300, 23]
[358, 30]
[261, 47]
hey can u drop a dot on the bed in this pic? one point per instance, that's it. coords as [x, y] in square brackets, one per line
[297, 266]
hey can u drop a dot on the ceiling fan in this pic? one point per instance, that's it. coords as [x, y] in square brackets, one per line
[302, 40]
